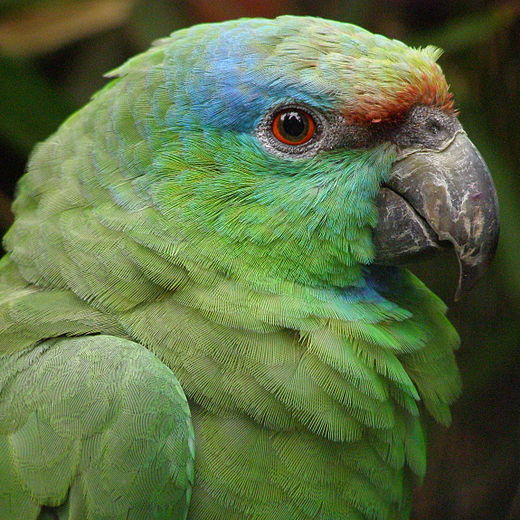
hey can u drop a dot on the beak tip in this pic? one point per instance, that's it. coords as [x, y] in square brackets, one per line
[470, 271]
[464, 285]
[462, 290]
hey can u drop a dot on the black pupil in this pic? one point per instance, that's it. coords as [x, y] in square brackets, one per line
[293, 125]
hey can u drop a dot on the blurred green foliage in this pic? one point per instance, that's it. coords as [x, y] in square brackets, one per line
[475, 465]
[30, 107]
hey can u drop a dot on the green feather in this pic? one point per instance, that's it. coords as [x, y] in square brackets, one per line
[87, 421]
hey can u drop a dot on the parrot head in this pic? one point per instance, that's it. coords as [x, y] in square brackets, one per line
[304, 149]
[296, 149]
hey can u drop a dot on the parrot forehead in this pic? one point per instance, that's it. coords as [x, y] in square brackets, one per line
[240, 69]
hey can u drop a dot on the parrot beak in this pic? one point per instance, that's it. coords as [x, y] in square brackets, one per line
[435, 199]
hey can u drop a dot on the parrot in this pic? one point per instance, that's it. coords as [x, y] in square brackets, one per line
[205, 309]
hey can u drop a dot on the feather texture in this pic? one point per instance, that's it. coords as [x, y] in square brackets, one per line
[154, 226]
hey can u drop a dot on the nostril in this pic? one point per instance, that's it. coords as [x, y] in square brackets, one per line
[433, 126]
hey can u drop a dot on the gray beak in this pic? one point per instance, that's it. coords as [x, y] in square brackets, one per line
[439, 198]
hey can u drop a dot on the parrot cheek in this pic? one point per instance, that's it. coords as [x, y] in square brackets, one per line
[436, 199]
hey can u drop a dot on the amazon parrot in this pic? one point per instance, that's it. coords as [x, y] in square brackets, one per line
[203, 309]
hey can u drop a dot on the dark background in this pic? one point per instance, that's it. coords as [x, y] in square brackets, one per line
[52, 57]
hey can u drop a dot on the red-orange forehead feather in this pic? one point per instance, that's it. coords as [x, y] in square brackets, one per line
[428, 89]
[378, 88]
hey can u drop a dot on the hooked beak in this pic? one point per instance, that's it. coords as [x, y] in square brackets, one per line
[436, 198]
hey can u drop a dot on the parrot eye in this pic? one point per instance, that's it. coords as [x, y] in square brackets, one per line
[293, 131]
[293, 126]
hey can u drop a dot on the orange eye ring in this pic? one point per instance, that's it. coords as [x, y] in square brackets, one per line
[293, 126]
